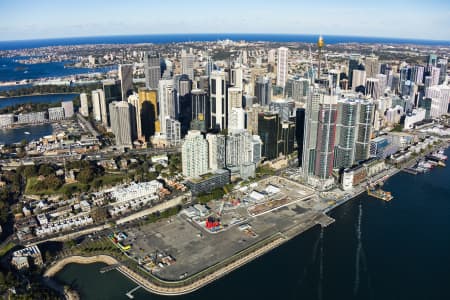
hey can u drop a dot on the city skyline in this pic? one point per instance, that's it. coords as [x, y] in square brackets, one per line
[29, 19]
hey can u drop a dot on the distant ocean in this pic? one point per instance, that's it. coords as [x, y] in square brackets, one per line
[178, 38]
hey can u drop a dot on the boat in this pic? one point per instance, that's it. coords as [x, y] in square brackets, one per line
[380, 194]
[27, 133]
[441, 164]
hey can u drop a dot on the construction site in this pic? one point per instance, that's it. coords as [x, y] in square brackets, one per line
[201, 236]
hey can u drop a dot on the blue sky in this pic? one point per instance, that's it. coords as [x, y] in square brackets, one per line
[32, 19]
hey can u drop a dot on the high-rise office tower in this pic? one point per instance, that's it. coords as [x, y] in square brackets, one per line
[442, 65]
[112, 92]
[200, 110]
[126, 80]
[282, 66]
[252, 117]
[242, 148]
[319, 138]
[373, 88]
[432, 60]
[417, 73]
[173, 131]
[372, 67]
[152, 69]
[219, 105]
[194, 154]
[166, 102]
[135, 116]
[148, 108]
[284, 108]
[353, 64]
[287, 138]
[271, 56]
[435, 72]
[121, 123]
[326, 131]
[353, 131]
[234, 97]
[345, 133]
[366, 110]
[236, 118]
[68, 109]
[358, 79]
[299, 133]
[187, 63]
[216, 151]
[440, 98]
[183, 105]
[236, 77]
[98, 100]
[269, 129]
[84, 108]
[209, 66]
[297, 89]
[263, 90]
[382, 80]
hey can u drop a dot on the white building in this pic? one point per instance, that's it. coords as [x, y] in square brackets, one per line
[173, 131]
[84, 109]
[440, 98]
[6, 120]
[236, 119]
[282, 66]
[216, 151]
[217, 85]
[194, 154]
[98, 101]
[358, 79]
[187, 64]
[415, 116]
[32, 118]
[121, 123]
[68, 108]
[234, 98]
[135, 190]
[393, 115]
[55, 113]
[271, 56]
[166, 102]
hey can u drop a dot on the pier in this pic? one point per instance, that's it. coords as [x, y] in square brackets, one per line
[130, 293]
[109, 268]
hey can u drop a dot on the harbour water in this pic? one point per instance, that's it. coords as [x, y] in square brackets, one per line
[375, 250]
[11, 70]
[28, 133]
[36, 131]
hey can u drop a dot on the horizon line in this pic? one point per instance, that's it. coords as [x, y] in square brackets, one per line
[225, 33]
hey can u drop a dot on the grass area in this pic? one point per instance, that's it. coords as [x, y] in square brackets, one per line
[34, 187]
[6, 248]
[108, 179]
[214, 194]
[104, 245]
